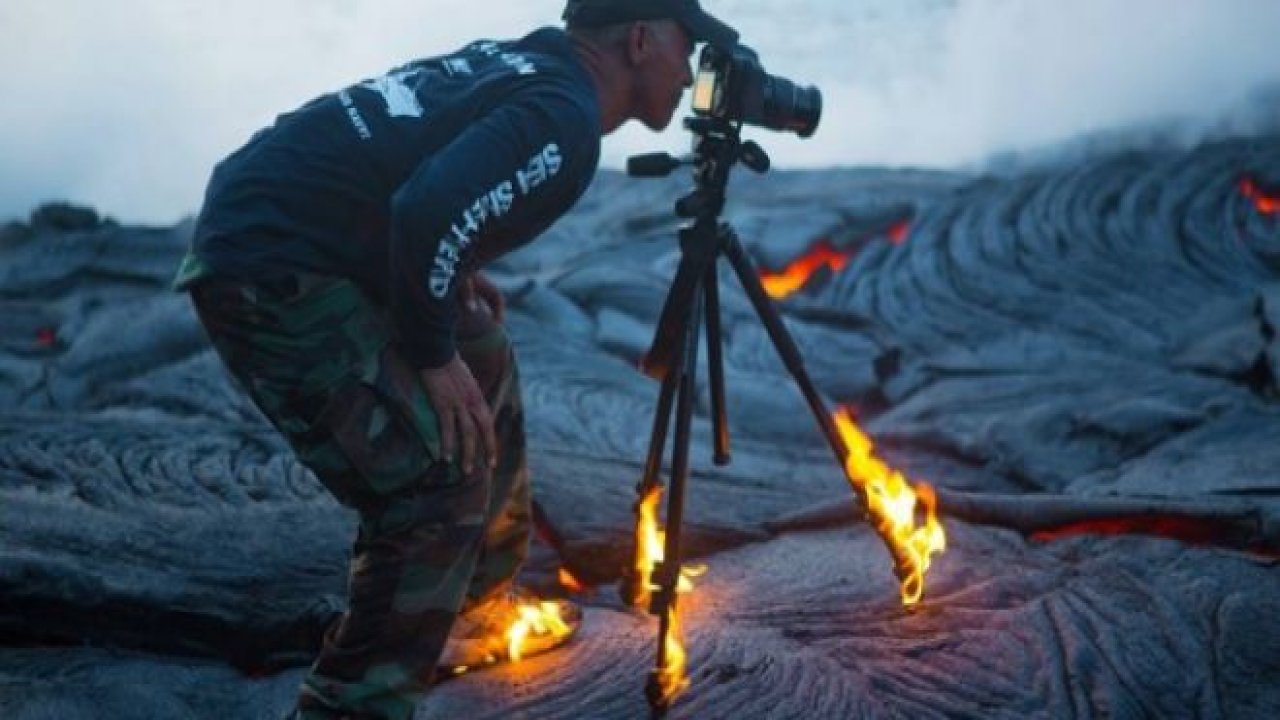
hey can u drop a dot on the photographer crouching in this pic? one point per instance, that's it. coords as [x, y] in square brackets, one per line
[335, 266]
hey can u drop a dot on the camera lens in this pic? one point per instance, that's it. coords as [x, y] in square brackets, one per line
[787, 106]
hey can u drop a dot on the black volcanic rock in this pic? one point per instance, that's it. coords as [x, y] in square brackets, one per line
[1092, 348]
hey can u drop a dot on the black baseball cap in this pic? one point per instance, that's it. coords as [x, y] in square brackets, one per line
[700, 26]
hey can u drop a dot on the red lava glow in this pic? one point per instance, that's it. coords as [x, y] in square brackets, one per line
[898, 232]
[793, 277]
[1192, 531]
[1267, 204]
[790, 279]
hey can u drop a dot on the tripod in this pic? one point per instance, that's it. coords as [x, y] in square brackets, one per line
[694, 296]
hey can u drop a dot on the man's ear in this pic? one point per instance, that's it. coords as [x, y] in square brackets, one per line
[639, 42]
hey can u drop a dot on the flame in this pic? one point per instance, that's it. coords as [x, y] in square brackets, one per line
[892, 504]
[569, 582]
[1266, 204]
[541, 618]
[649, 543]
[671, 677]
[651, 547]
[650, 550]
[781, 284]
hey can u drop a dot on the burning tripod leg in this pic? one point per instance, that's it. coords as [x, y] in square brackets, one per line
[673, 359]
[667, 679]
[657, 574]
[648, 542]
[884, 492]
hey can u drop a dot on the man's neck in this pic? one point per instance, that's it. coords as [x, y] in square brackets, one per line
[611, 81]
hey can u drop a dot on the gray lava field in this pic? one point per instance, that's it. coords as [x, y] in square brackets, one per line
[1082, 359]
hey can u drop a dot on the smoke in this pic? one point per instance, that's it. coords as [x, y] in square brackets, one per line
[127, 105]
[947, 83]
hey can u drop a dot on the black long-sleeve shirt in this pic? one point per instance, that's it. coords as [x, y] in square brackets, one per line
[404, 182]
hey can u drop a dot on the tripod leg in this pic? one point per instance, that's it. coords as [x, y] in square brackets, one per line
[905, 564]
[715, 362]
[658, 435]
[664, 353]
[634, 586]
[782, 341]
[668, 678]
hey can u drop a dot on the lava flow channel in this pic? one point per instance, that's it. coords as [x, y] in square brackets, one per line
[789, 280]
[1266, 203]
[794, 276]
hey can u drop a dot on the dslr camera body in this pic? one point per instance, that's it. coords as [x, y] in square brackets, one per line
[732, 85]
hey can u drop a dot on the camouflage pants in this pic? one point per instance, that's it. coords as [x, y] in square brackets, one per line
[315, 355]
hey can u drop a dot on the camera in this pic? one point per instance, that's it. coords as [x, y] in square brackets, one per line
[734, 86]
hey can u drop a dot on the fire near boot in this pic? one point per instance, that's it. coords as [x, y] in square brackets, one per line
[512, 625]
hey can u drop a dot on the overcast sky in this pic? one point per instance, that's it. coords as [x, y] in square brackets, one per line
[126, 104]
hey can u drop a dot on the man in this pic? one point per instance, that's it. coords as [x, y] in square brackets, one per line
[334, 268]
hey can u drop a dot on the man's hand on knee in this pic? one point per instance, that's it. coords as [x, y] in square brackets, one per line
[464, 415]
[476, 289]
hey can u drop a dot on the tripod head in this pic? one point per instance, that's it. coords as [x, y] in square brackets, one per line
[717, 147]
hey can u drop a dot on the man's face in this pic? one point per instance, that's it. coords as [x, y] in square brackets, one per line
[663, 71]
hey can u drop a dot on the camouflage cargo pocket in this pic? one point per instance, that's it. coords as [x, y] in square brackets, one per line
[385, 427]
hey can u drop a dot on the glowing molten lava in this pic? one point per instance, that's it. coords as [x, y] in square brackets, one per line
[897, 233]
[1200, 531]
[891, 501]
[781, 284]
[650, 549]
[1266, 204]
[541, 618]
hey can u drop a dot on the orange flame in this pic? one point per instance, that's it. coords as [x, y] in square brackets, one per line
[650, 549]
[671, 677]
[781, 284]
[891, 502]
[1266, 204]
[541, 618]
[649, 543]
[569, 582]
